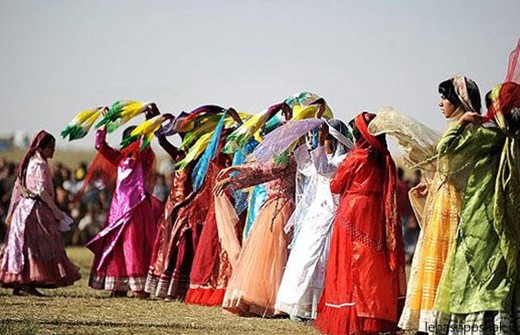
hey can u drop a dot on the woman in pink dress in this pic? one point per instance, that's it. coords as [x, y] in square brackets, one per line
[122, 250]
[34, 254]
[253, 286]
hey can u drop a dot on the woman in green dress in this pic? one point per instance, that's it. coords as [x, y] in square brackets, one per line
[478, 288]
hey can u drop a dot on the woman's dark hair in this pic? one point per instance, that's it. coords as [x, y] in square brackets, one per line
[48, 138]
[474, 95]
[447, 89]
[488, 100]
[514, 120]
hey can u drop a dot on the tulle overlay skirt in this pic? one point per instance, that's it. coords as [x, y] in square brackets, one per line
[254, 284]
[122, 257]
[45, 261]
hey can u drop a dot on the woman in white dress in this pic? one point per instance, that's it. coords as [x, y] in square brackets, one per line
[303, 279]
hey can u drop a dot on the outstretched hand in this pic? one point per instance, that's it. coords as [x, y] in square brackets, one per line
[225, 172]
[421, 189]
[220, 187]
[321, 109]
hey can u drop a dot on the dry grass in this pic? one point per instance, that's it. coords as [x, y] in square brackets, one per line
[81, 310]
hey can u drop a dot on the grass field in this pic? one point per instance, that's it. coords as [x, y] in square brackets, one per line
[81, 310]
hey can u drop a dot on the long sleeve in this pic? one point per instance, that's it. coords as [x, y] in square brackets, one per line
[173, 151]
[473, 140]
[38, 182]
[111, 154]
[452, 138]
[256, 174]
[343, 176]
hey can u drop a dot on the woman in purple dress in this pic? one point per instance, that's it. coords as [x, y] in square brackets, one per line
[122, 250]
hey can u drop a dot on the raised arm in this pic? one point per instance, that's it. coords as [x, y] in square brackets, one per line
[325, 166]
[256, 174]
[111, 154]
[343, 176]
[467, 136]
[172, 150]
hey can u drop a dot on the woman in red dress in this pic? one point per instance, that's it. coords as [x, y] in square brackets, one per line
[365, 278]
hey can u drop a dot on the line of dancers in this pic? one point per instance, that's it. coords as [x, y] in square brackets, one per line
[292, 212]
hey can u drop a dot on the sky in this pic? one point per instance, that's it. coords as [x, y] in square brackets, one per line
[60, 57]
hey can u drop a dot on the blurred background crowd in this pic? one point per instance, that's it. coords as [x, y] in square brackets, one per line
[90, 210]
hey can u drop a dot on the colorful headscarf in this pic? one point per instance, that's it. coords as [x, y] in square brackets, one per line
[460, 90]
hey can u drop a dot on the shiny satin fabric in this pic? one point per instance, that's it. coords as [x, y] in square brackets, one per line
[439, 222]
[480, 277]
[362, 293]
[122, 250]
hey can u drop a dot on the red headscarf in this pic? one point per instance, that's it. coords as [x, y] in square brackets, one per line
[392, 224]
[504, 98]
[35, 145]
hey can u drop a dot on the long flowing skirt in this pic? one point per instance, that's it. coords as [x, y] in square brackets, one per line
[304, 276]
[254, 283]
[440, 219]
[211, 269]
[45, 263]
[361, 293]
[478, 292]
[169, 275]
[122, 251]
